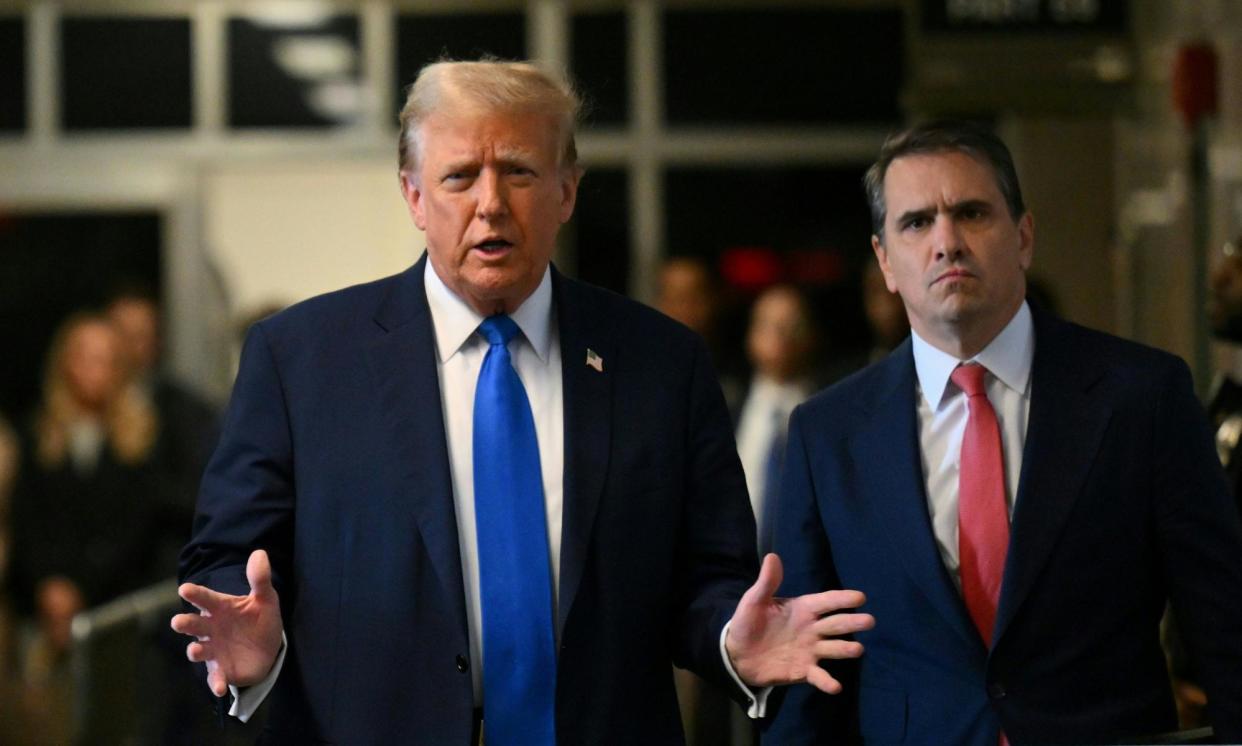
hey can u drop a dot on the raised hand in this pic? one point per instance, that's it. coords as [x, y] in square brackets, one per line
[782, 640]
[238, 637]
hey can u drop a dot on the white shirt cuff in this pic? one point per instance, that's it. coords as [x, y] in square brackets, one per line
[246, 701]
[758, 700]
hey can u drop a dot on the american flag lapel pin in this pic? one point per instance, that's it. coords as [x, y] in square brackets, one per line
[593, 360]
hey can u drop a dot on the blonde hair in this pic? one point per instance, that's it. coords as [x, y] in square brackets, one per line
[128, 418]
[490, 85]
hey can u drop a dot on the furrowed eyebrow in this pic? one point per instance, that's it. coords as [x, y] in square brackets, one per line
[909, 215]
[515, 158]
[464, 164]
[978, 205]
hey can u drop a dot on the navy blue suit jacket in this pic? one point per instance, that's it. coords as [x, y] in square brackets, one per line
[333, 458]
[1121, 505]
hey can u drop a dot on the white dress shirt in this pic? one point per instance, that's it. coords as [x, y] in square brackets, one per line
[536, 355]
[767, 402]
[942, 416]
[460, 349]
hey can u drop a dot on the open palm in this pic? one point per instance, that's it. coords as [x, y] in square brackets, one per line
[238, 637]
[782, 640]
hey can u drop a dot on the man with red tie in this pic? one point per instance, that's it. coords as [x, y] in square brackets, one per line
[1019, 497]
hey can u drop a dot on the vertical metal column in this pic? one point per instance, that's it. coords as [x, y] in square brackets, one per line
[646, 185]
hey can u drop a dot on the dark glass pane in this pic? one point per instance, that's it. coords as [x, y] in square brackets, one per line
[1052, 18]
[599, 64]
[12, 74]
[52, 265]
[808, 226]
[601, 229]
[461, 36]
[125, 72]
[803, 66]
[300, 76]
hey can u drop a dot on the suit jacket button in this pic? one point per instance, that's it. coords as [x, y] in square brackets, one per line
[463, 665]
[996, 691]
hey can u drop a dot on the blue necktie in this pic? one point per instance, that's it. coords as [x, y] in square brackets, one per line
[519, 660]
[771, 480]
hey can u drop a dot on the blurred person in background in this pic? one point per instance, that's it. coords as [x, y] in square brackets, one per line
[887, 327]
[687, 293]
[1225, 404]
[886, 316]
[1224, 408]
[187, 421]
[781, 344]
[781, 347]
[687, 290]
[82, 515]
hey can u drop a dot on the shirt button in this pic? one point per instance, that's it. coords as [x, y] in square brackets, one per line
[463, 665]
[996, 691]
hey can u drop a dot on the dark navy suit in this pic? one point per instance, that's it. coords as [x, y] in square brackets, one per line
[1120, 506]
[334, 459]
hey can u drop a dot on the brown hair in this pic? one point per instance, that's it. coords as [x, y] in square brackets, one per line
[938, 137]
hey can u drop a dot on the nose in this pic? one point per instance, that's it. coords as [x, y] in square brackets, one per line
[946, 238]
[492, 199]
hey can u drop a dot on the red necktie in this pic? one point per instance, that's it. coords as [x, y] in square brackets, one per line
[982, 517]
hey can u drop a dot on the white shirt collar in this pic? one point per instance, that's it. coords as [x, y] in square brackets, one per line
[786, 395]
[1008, 357]
[455, 321]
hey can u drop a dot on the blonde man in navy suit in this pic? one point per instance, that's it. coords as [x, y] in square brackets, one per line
[339, 562]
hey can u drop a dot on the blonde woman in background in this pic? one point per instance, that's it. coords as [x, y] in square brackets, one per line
[83, 509]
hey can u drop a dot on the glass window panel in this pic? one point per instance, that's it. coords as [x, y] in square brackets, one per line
[296, 73]
[600, 231]
[129, 72]
[12, 74]
[806, 225]
[52, 264]
[791, 66]
[599, 65]
[1047, 18]
[425, 38]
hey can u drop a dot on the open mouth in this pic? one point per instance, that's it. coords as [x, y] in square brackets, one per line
[494, 246]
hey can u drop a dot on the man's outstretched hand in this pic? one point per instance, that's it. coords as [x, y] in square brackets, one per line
[238, 637]
[782, 640]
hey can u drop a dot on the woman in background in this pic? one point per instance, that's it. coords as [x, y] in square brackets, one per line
[82, 512]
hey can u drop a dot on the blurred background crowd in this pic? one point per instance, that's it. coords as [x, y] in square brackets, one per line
[171, 171]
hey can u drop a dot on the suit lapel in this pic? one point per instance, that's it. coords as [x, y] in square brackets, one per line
[403, 360]
[1064, 432]
[888, 457]
[587, 396]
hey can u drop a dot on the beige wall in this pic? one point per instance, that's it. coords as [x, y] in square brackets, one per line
[284, 231]
[1066, 167]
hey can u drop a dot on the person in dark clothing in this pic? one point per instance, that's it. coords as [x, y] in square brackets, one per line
[82, 510]
[188, 423]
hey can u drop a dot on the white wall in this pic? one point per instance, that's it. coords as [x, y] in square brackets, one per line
[280, 231]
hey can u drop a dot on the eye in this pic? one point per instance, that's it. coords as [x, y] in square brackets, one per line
[457, 180]
[916, 223]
